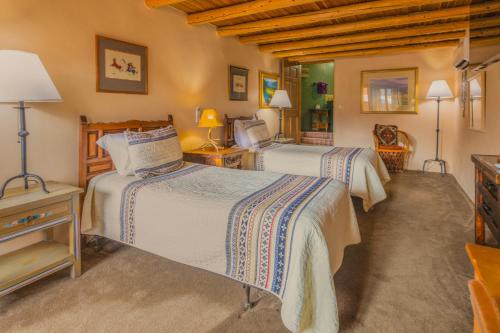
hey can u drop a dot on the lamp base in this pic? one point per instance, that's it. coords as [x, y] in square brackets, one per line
[442, 164]
[26, 177]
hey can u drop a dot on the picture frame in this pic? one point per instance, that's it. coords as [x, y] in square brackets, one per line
[389, 91]
[268, 84]
[122, 67]
[238, 83]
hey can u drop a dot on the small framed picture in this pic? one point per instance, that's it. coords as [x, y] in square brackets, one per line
[268, 84]
[389, 91]
[238, 83]
[121, 67]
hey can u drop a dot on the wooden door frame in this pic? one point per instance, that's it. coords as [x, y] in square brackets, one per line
[283, 63]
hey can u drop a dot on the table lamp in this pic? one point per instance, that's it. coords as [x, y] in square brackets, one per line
[438, 90]
[280, 100]
[210, 119]
[23, 78]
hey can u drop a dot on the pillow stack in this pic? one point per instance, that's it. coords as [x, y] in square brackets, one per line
[144, 154]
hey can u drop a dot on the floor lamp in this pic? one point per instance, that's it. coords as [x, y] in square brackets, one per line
[280, 100]
[438, 90]
[23, 78]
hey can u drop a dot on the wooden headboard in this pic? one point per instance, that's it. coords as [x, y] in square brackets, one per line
[93, 159]
[229, 129]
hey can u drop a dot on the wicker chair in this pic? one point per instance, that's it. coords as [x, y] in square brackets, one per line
[394, 157]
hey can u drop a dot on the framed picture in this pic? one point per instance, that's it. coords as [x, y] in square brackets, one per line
[121, 67]
[476, 101]
[389, 91]
[268, 84]
[238, 83]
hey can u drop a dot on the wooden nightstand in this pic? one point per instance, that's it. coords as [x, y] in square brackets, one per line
[27, 211]
[227, 158]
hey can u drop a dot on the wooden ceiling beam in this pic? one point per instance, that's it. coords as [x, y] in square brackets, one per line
[371, 7]
[161, 3]
[374, 44]
[365, 36]
[324, 57]
[389, 42]
[376, 23]
[242, 9]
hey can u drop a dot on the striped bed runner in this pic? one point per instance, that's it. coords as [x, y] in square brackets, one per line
[260, 231]
[338, 162]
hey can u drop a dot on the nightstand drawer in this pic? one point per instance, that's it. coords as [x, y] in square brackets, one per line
[12, 223]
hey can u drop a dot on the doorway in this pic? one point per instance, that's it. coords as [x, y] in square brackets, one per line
[317, 103]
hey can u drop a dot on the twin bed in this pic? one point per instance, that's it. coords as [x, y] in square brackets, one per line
[278, 232]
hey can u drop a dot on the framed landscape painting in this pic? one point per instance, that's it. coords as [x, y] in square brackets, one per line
[389, 91]
[238, 83]
[268, 84]
[121, 67]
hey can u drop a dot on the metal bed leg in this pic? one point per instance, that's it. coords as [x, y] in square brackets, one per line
[248, 303]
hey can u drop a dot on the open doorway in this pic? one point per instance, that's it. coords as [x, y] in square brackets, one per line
[317, 103]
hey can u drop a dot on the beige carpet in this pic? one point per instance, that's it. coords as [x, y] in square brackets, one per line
[408, 275]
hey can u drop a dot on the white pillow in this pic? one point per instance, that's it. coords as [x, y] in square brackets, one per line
[257, 133]
[240, 134]
[155, 152]
[117, 147]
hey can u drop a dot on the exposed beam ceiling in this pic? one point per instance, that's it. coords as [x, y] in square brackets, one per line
[335, 13]
[377, 23]
[383, 34]
[318, 30]
[243, 9]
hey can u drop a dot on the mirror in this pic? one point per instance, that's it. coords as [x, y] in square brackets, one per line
[477, 101]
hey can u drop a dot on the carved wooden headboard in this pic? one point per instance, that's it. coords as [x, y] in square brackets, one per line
[93, 159]
[229, 129]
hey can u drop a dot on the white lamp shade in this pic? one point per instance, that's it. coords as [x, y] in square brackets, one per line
[23, 78]
[439, 89]
[280, 99]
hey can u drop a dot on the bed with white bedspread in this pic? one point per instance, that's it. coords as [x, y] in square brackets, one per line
[361, 169]
[282, 233]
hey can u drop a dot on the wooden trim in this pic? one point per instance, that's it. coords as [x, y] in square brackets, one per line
[91, 166]
[312, 17]
[161, 3]
[242, 9]
[376, 23]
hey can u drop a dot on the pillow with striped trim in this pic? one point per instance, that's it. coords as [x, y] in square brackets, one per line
[257, 133]
[154, 152]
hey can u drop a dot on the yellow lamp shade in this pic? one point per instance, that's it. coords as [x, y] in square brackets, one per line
[210, 118]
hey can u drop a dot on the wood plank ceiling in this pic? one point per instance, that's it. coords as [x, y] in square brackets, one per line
[315, 31]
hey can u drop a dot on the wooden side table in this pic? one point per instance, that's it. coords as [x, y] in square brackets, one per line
[226, 158]
[485, 288]
[27, 211]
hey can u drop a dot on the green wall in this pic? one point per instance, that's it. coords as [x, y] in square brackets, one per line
[310, 97]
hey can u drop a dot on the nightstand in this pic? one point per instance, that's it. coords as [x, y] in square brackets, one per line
[227, 158]
[27, 211]
[283, 140]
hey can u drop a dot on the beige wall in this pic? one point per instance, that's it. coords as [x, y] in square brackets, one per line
[479, 142]
[355, 129]
[187, 67]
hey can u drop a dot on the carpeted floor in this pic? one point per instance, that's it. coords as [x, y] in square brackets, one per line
[409, 274]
